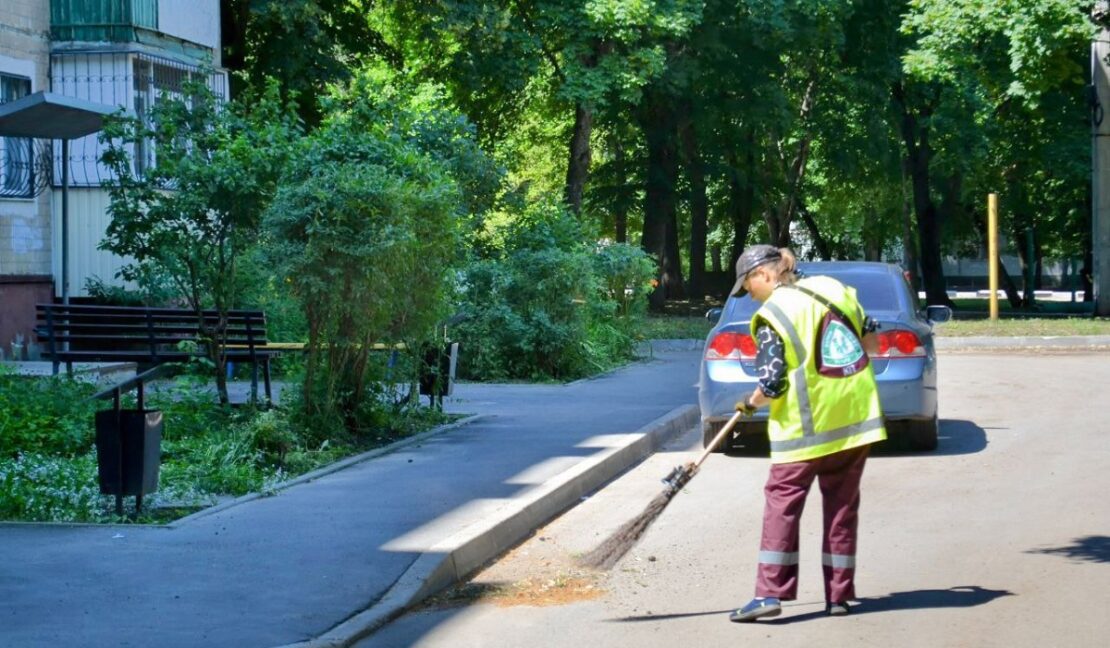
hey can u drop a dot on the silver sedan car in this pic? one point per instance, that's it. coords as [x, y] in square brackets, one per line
[905, 366]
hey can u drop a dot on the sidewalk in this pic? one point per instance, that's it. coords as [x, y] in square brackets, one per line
[322, 561]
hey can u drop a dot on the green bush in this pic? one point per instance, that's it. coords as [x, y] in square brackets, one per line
[45, 488]
[626, 273]
[50, 416]
[48, 463]
[545, 305]
[154, 289]
[365, 228]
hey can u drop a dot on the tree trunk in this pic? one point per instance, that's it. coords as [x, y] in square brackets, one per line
[673, 286]
[220, 360]
[915, 136]
[699, 206]
[658, 123]
[1008, 285]
[620, 208]
[1087, 272]
[819, 241]
[872, 244]
[909, 245]
[578, 166]
[741, 193]
[1021, 234]
[779, 218]
[234, 18]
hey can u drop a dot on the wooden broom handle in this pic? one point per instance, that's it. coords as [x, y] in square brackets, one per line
[727, 429]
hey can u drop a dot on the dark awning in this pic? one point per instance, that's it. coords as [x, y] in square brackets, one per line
[47, 115]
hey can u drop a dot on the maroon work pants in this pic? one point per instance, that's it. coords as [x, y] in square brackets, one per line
[839, 477]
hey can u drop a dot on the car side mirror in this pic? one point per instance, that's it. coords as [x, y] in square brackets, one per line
[938, 314]
[713, 314]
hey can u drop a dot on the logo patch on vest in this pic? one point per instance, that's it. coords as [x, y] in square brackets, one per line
[841, 353]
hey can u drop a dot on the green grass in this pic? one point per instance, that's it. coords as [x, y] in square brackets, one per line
[675, 327]
[982, 306]
[1025, 327]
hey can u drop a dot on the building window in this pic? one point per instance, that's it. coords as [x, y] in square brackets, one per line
[156, 79]
[16, 171]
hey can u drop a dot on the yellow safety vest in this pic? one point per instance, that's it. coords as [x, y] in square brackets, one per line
[818, 415]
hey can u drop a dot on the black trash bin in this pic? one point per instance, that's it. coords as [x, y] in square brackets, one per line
[128, 453]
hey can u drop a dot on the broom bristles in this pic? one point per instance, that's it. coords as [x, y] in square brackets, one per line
[613, 549]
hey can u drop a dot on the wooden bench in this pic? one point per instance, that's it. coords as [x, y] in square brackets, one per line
[147, 336]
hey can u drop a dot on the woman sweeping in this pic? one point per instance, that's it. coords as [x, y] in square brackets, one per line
[813, 343]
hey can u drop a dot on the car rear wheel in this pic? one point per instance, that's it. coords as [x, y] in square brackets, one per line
[746, 438]
[922, 435]
[709, 432]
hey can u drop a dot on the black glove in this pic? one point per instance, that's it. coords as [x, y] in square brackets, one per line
[744, 405]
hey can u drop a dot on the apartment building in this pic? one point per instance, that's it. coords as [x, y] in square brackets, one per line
[120, 53]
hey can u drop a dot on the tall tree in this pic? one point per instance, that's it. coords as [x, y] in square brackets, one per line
[303, 45]
[195, 212]
[1008, 76]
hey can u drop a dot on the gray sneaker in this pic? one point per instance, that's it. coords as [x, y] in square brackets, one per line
[755, 609]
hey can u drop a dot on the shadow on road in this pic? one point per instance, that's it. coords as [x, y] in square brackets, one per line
[956, 437]
[954, 597]
[669, 617]
[1090, 549]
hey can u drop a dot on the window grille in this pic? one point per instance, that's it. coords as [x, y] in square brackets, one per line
[132, 80]
[17, 175]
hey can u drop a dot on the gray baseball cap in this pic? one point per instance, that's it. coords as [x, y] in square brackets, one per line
[751, 259]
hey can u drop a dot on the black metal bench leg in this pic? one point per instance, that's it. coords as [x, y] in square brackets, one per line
[254, 383]
[266, 378]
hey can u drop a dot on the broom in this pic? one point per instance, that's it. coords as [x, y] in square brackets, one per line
[609, 552]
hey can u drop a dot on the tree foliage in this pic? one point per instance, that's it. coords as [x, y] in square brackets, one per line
[542, 303]
[192, 213]
[365, 229]
[848, 128]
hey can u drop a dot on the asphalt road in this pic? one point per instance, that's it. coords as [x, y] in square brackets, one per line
[999, 538]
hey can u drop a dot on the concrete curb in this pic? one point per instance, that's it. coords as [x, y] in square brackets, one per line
[451, 560]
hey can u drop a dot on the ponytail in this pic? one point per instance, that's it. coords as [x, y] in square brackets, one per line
[786, 267]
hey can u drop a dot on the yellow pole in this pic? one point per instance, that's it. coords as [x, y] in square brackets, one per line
[992, 253]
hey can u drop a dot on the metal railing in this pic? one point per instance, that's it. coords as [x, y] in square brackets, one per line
[130, 79]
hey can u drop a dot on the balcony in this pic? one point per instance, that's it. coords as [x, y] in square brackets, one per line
[117, 21]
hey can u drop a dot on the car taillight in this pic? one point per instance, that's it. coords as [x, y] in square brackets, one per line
[900, 344]
[730, 345]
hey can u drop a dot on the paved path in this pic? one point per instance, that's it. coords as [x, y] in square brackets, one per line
[287, 568]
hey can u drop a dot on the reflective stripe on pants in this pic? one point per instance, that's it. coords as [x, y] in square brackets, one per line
[838, 476]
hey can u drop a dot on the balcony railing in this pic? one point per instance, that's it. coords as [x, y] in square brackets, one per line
[132, 80]
[101, 20]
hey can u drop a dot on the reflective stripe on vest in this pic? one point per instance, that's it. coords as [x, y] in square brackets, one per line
[849, 414]
[827, 437]
[799, 374]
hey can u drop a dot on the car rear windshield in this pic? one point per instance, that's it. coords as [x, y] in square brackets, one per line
[876, 292]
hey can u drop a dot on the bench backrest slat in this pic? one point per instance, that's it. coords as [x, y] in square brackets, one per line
[125, 332]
